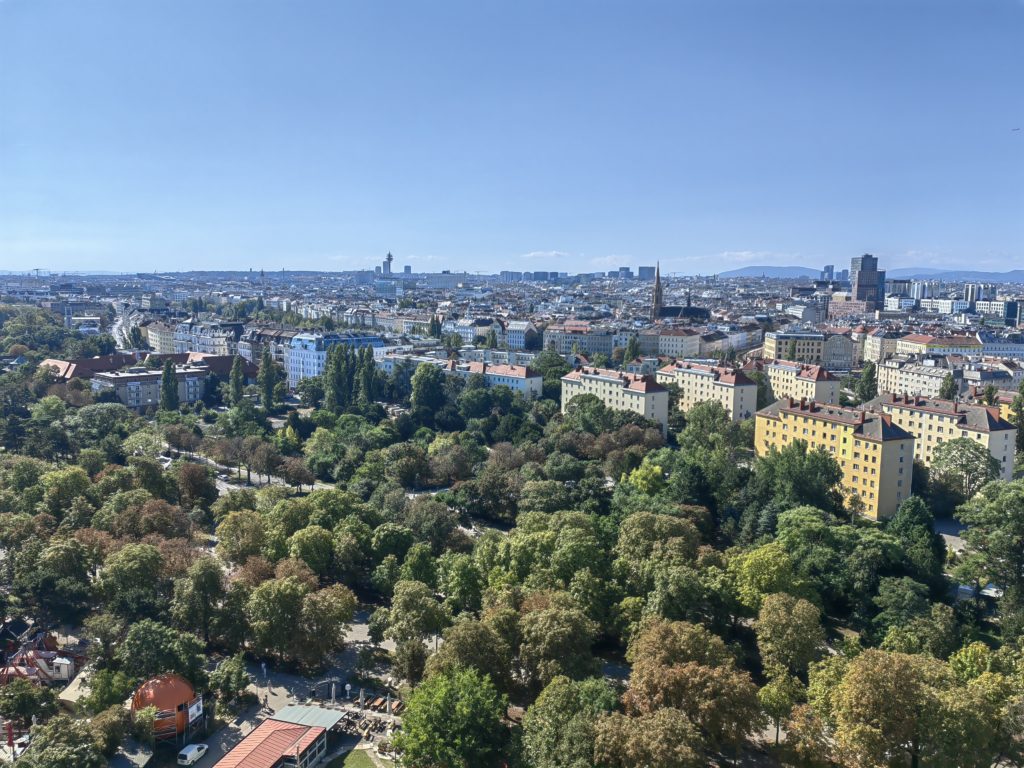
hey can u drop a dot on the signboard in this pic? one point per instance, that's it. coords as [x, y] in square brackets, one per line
[195, 710]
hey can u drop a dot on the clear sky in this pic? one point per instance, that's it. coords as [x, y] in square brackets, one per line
[525, 134]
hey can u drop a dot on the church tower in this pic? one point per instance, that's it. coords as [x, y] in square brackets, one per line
[657, 298]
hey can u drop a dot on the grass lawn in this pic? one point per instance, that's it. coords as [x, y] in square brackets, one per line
[357, 758]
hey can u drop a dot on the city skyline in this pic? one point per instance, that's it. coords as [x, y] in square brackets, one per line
[229, 135]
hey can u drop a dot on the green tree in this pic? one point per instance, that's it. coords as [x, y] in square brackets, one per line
[324, 622]
[557, 640]
[867, 384]
[132, 583]
[995, 546]
[107, 688]
[470, 644]
[560, 727]
[314, 546]
[267, 379]
[63, 742]
[236, 381]
[948, 389]
[415, 613]
[763, 571]
[198, 596]
[231, 679]
[151, 648]
[241, 535]
[274, 612]
[632, 351]
[963, 466]
[168, 387]
[428, 388]
[1017, 416]
[454, 720]
[20, 699]
[789, 634]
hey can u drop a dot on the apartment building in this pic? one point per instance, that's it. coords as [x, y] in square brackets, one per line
[307, 353]
[472, 328]
[518, 378]
[799, 346]
[923, 344]
[932, 421]
[1006, 346]
[880, 344]
[875, 454]
[208, 337]
[255, 340]
[521, 334]
[160, 337]
[619, 391]
[797, 380]
[677, 343]
[944, 306]
[564, 337]
[698, 383]
[915, 375]
[139, 388]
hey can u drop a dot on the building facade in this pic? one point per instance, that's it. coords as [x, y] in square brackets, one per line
[307, 352]
[797, 380]
[932, 421]
[619, 391]
[875, 454]
[139, 388]
[699, 383]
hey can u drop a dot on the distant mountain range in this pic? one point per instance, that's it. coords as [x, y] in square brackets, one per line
[905, 273]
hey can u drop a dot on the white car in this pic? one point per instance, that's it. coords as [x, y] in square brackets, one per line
[191, 754]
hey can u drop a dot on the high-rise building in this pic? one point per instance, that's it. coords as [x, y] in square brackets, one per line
[829, 272]
[974, 292]
[868, 281]
[645, 273]
[625, 273]
[407, 269]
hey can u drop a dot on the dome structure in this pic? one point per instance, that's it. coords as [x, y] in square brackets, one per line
[170, 694]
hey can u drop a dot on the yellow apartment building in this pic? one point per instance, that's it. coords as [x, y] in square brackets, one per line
[932, 421]
[875, 454]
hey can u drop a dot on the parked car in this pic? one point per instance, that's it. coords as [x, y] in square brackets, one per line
[191, 754]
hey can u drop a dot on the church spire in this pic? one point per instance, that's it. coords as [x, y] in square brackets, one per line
[656, 298]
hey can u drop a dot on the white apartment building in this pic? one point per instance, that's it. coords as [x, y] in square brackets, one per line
[207, 337]
[699, 383]
[880, 344]
[797, 380]
[160, 337]
[913, 375]
[518, 378]
[619, 391]
[518, 333]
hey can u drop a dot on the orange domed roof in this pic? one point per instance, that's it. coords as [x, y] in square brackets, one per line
[163, 692]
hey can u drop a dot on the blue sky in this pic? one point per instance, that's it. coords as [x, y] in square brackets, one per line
[527, 134]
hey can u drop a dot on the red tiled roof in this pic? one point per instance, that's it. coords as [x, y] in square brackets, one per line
[268, 743]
